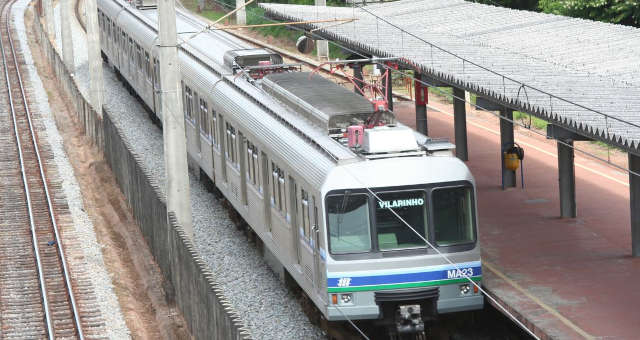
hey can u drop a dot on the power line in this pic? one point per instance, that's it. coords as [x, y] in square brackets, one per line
[445, 257]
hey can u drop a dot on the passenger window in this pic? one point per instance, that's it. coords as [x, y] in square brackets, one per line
[188, 97]
[278, 188]
[304, 205]
[253, 172]
[231, 145]
[204, 119]
[147, 64]
[214, 127]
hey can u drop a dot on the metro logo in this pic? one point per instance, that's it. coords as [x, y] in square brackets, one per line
[459, 273]
[344, 282]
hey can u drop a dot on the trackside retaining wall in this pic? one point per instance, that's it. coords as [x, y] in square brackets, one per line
[207, 312]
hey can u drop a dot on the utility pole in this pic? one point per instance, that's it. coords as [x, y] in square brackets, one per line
[49, 19]
[241, 14]
[322, 45]
[95, 60]
[175, 148]
[67, 38]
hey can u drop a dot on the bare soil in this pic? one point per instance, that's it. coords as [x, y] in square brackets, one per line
[136, 277]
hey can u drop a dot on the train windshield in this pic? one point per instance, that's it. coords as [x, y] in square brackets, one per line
[350, 230]
[452, 216]
[409, 207]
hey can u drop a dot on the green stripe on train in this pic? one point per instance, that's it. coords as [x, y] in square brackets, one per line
[401, 285]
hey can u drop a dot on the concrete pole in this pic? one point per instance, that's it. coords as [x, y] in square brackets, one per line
[200, 6]
[241, 15]
[634, 199]
[49, 19]
[95, 60]
[66, 12]
[322, 46]
[460, 123]
[421, 98]
[567, 179]
[357, 77]
[175, 144]
[506, 139]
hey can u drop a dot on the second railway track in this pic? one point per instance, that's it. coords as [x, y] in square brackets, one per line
[38, 297]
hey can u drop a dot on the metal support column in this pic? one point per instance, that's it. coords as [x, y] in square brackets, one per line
[460, 123]
[422, 98]
[66, 12]
[634, 199]
[175, 148]
[388, 88]
[357, 77]
[506, 139]
[567, 179]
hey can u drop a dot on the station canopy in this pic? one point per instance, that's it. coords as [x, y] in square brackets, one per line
[579, 74]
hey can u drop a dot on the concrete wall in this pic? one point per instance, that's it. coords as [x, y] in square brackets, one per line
[190, 283]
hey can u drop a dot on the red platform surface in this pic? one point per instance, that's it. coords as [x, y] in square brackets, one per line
[565, 278]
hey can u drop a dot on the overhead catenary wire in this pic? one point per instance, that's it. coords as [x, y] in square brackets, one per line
[465, 276]
[437, 89]
[399, 217]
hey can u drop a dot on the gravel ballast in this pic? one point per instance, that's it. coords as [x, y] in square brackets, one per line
[115, 326]
[266, 307]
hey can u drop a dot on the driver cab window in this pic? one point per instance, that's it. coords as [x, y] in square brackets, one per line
[349, 223]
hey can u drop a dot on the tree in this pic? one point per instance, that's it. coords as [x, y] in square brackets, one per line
[529, 5]
[624, 12]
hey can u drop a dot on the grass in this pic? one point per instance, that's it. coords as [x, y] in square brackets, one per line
[537, 123]
[256, 16]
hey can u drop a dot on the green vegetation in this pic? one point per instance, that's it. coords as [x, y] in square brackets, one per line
[624, 12]
[536, 122]
[256, 16]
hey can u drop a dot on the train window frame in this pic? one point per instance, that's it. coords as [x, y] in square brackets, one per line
[278, 189]
[231, 145]
[188, 98]
[370, 216]
[472, 206]
[215, 135]
[305, 206]
[376, 253]
[253, 167]
[147, 67]
[427, 217]
[205, 128]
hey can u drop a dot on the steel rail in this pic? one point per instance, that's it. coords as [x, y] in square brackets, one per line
[5, 11]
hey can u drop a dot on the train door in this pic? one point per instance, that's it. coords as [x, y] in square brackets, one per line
[266, 175]
[223, 141]
[242, 159]
[293, 207]
[318, 278]
[156, 88]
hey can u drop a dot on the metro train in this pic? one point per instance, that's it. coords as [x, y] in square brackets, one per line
[341, 195]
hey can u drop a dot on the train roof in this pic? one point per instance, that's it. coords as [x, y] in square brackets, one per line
[325, 103]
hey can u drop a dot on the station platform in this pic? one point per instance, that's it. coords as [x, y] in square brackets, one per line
[570, 278]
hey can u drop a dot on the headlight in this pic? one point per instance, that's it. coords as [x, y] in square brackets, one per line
[465, 289]
[346, 298]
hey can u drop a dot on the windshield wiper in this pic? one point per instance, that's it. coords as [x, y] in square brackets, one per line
[343, 206]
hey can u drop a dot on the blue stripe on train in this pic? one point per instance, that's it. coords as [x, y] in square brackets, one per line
[452, 273]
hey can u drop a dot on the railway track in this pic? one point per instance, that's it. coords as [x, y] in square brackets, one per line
[37, 298]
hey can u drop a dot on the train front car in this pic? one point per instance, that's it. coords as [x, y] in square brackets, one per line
[382, 217]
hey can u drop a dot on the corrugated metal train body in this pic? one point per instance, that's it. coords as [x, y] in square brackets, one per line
[261, 154]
